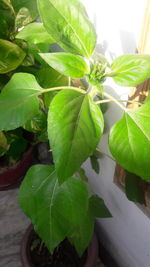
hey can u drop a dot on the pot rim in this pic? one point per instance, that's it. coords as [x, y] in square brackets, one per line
[21, 165]
[92, 252]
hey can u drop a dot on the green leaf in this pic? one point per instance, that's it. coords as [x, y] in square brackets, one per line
[26, 11]
[131, 70]
[95, 163]
[19, 101]
[53, 209]
[35, 33]
[129, 141]
[28, 60]
[68, 25]
[17, 146]
[98, 208]
[7, 18]
[35, 49]
[82, 234]
[37, 123]
[134, 191]
[75, 125]
[47, 78]
[67, 64]
[38, 126]
[11, 56]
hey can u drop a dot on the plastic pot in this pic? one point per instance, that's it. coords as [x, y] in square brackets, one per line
[92, 251]
[11, 177]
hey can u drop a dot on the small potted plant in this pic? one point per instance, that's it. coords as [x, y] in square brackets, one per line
[58, 202]
[19, 55]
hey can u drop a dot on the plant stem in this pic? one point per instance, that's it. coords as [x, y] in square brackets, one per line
[63, 88]
[41, 246]
[110, 74]
[115, 100]
[69, 81]
[104, 153]
[110, 100]
[93, 91]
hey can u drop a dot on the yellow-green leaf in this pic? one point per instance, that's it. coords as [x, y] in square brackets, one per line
[67, 23]
[11, 56]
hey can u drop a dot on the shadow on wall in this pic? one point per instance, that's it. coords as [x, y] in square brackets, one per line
[103, 48]
[128, 42]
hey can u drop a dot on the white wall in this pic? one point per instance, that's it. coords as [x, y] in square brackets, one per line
[127, 234]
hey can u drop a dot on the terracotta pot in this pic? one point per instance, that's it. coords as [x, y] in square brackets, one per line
[92, 254]
[11, 177]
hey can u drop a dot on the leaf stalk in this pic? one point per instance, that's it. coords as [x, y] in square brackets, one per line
[63, 88]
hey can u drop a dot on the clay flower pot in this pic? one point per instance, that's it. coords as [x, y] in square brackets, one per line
[92, 251]
[11, 177]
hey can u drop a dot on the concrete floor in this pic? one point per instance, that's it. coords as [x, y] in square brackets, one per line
[13, 224]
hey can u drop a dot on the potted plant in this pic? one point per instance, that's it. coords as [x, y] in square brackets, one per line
[19, 55]
[58, 202]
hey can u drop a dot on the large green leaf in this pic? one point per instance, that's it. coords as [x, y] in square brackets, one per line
[11, 56]
[35, 33]
[68, 25]
[82, 234]
[98, 208]
[7, 18]
[129, 141]
[133, 188]
[26, 11]
[131, 70]
[19, 101]
[75, 125]
[67, 64]
[53, 209]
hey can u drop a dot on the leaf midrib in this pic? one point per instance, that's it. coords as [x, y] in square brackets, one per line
[74, 132]
[130, 142]
[134, 120]
[50, 207]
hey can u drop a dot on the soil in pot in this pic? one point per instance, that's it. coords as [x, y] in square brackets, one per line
[35, 254]
[64, 255]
